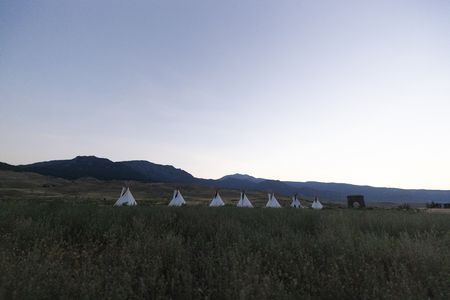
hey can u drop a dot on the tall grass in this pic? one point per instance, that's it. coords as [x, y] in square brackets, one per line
[57, 250]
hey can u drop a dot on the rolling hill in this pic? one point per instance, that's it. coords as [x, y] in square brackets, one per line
[105, 169]
[35, 187]
[144, 171]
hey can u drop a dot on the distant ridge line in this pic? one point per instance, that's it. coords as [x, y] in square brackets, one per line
[141, 170]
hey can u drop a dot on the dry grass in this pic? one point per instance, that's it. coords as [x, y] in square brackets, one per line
[30, 186]
[59, 249]
[63, 239]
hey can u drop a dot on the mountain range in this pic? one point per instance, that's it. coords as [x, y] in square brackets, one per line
[140, 170]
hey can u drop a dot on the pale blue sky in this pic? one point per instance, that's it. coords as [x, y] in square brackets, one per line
[343, 91]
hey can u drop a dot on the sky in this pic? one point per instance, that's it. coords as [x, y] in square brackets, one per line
[334, 91]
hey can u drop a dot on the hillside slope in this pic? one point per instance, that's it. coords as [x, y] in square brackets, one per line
[144, 171]
[35, 187]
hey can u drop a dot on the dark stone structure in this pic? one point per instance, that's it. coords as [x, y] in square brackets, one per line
[352, 199]
[438, 205]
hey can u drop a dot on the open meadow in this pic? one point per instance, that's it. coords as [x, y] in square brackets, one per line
[63, 250]
[63, 239]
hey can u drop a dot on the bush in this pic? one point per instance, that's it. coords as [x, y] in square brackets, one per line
[404, 206]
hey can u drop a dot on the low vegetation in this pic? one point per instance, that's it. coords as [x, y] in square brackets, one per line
[57, 249]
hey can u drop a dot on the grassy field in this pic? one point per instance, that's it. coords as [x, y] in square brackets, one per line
[63, 239]
[31, 186]
[56, 249]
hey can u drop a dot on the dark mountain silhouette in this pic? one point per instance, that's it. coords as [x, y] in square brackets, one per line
[238, 182]
[159, 173]
[102, 168]
[242, 177]
[83, 166]
[139, 170]
[339, 191]
[8, 167]
[246, 182]
[334, 191]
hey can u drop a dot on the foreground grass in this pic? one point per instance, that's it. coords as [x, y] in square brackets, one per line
[57, 250]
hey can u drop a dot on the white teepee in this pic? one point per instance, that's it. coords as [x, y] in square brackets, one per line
[243, 201]
[177, 199]
[126, 198]
[316, 204]
[295, 202]
[272, 202]
[216, 200]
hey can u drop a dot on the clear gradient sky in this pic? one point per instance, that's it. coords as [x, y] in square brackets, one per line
[344, 91]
